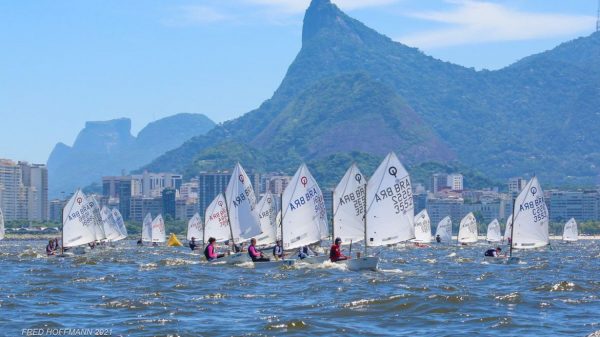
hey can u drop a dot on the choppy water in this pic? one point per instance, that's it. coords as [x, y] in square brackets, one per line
[439, 291]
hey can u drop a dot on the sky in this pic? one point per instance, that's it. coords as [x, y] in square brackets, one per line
[65, 62]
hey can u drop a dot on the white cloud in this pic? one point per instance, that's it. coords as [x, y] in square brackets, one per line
[478, 21]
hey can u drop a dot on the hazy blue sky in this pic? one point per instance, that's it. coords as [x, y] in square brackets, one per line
[67, 62]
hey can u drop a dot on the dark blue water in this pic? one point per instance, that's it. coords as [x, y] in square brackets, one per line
[439, 291]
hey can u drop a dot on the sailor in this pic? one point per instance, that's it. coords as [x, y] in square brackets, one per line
[210, 252]
[304, 252]
[50, 250]
[278, 250]
[493, 252]
[335, 254]
[140, 242]
[255, 254]
[438, 238]
[193, 244]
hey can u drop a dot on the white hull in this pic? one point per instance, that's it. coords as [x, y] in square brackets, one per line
[274, 264]
[363, 263]
[530, 245]
[236, 258]
[314, 259]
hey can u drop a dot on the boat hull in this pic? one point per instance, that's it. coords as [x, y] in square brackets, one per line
[236, 258]
[362, 263]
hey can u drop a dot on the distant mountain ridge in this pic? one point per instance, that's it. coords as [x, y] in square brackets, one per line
[351, 90]
[107, 148]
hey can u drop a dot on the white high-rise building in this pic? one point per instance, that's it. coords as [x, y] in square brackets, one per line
[455, 181]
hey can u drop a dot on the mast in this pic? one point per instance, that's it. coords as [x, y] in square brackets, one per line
[365, 216]
[229, 221]
[333, 215]
[512, 228]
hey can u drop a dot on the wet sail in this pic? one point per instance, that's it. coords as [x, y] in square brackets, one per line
[147, 228]
[493, 231]
[349, 206]
[158, 229]
[79, 221]
[570, 231]
[216, 223]
[267, 215]
[444, 230]
[195, 228]
[390, 209]
[304, 214]
[531, 218]
[467, 232]
[422, 227]
[241, 204]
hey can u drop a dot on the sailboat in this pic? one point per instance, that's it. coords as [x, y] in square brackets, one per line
[147, 228]
[216, 223]
[119, 221]
[158, 230]
[467, 232]
[508, 229]
[303, 215]
[349, 220]
[268, 223]
[80, 222]
[1, 225]
[99, 225]
[111, 228]
[195, 228]
[493, 232]
[422, 228]
[570, 233]
[444, 230]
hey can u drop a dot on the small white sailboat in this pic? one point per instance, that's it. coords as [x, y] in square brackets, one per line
[80, 221]
[422, 228]
[241, 206]
[268, 223]
[304, 218]
[467, 232]
[147, 228]
[493, 232]
[119, 221]
[111, 228]
[444, 230]
[570, 233]
[349, 216]
[216, 225]
[530, 219]
[99, 225]
[1, 225]
[195, 228]
[158, 230]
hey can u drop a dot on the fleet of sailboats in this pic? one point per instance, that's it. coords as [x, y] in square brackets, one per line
[373, 212]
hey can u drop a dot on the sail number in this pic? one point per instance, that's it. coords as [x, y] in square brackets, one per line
[356, 198]
[537, 207]
[400, 193]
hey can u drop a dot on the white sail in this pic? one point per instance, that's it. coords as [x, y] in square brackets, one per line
[444, 230]
[79, 221]
[1, 225]
[570, 231]
[304, 214]
[349, 204]
[422, 227]
[390, 209]
[267, 214]
[493, 231]
[216, 223]
[99, 225]
[241, 205]
[147, 228]
[195, 228]
[111, 228]
[508, 228]
[467, 232]
[158, 229]
[531, 218]
[119, 220]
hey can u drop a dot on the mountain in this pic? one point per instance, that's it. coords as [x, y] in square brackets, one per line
[108, 148]
[351, 90]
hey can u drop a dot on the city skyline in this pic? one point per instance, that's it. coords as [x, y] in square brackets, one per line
[194, 56]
